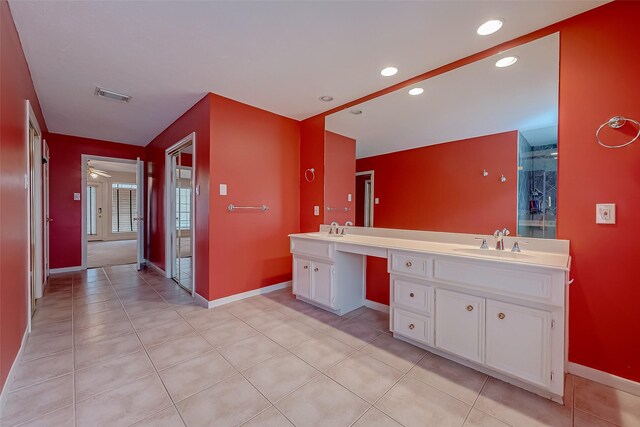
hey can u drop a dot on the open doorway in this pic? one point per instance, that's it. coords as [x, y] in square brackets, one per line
[180, 207]
[111, 211]
[364, 199]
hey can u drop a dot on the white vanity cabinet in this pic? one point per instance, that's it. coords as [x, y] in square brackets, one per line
[314, 280]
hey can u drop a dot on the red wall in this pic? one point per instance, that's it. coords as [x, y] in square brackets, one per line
[65, 178]
[15, 87]
[441, 188]
[339, 180]
[257, 154]
[197, 119]
[599, 69]
[312, 156]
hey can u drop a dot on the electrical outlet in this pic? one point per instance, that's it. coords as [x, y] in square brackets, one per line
[377, 201]
[605, 213]
[349, 197]
[316, 210]
[223, 189]
[76, 196]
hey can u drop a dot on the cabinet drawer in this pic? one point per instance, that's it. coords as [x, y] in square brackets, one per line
[412, 295]
[312, 248]
[413, 326]
[410, 264]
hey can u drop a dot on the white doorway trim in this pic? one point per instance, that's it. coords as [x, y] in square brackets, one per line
[84, 158]
[373, 194]
[169, 205]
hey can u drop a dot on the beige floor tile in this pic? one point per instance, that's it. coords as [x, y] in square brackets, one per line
[124, 405]
[518, 407]
[450, 377]
[89, 320]
[374, 318]
[112, 374]
[413, 403]
[291, 334]
[144, 307]
[51, 329]
[250, 351]
[478, 418]
[320, 320]
[194, 375]
[101, 332]
[264, 321]
[40, 399]
[166, 418]
[172, 352]
[322, 351]
[102, 351]
[280, 375]
[229, 332]
[608, 403]
[399, 354]
[167, 332]
[63, 417]
[44, 368]
[98, 307]
[44, 345]
[582, 419]
[269, 418]
[203, 321]
[47, 315]
[322, 402]
[354, 333]
[365, 376]
[375, 418]
[229, 403]
[151, 320]
[93, 298]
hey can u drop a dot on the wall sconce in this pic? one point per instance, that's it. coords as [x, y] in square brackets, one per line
[503, 178]
[484, 172]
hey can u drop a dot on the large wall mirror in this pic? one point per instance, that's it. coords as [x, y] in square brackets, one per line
[471, 150]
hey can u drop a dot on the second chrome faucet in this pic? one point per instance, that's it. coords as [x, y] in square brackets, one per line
[500, 235]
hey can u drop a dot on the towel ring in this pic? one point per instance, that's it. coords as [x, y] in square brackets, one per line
[313, 175]
[616, 123]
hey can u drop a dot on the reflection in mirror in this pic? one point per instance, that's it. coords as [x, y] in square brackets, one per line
[183, 212]
[475, 151]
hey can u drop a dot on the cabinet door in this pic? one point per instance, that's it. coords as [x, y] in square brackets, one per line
[460, 324]
[518, 341]
[322, 285]
[302, 277]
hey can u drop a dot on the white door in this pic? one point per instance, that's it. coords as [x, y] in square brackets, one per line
[460, 324]
[518, 341]
[302, 277]
[140, 208]
[95, 211]
[45, 198]
[322, 283]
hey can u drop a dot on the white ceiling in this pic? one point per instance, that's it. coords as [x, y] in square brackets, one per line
[112, 166]
[279, 56]
[474, 100]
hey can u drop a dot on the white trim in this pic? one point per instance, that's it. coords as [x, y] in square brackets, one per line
[66, 269]
[83, 161]
[237, 297]
[12, 371]
[605, 378]
[376, 306]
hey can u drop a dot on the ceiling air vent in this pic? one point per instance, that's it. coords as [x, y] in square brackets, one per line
[106, 93]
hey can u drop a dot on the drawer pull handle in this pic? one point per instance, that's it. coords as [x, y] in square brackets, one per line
[411, 295]
[408, 264]
[316, 269]
[306, 267]
[411, 326]
[469, 307]
[501, 316]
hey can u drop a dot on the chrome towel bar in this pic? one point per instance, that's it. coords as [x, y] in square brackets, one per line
[233, 207]
[338, 209]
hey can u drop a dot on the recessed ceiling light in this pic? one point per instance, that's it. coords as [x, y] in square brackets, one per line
[356, 112]
[416, 91]
[326, 98]
[490, 27]
[506, 61]
[389, 71]
[106, 93]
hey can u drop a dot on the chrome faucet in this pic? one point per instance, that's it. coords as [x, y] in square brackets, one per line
[516, 246]
[348, 224]
[484, 242]
[334, 228]
[500, 235]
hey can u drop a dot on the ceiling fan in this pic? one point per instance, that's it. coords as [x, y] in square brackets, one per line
[94, 173]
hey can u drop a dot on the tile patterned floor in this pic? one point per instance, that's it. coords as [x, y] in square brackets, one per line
[113, 347]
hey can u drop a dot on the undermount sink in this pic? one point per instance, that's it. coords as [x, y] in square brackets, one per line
[494, 253]
[319, 234]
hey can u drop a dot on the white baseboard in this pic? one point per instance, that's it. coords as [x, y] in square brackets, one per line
[65, 269]
[376, 306]
[12, 371]
[237, 297]
[605, 378]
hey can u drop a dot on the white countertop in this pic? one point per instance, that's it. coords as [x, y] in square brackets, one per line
[553, 260]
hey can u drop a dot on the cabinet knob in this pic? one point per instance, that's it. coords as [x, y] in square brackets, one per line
[411, 295]
[408, 264]
[316, 269]
[411, 326]
[306, 266]
[469, 307]
[501, 316]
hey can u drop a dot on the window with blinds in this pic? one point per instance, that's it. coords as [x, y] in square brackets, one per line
[92, 216]
[123, 208]
[183, 208]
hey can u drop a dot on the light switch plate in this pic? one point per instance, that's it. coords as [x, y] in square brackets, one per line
[316, 210]
[605, 213]
[377, 201]
[348, 197]
[76, 196]
[223, 189]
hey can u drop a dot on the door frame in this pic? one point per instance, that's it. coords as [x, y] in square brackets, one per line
[100, 204]
[83, 162]
[373, 194]
[46, 212]
[169, 205]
